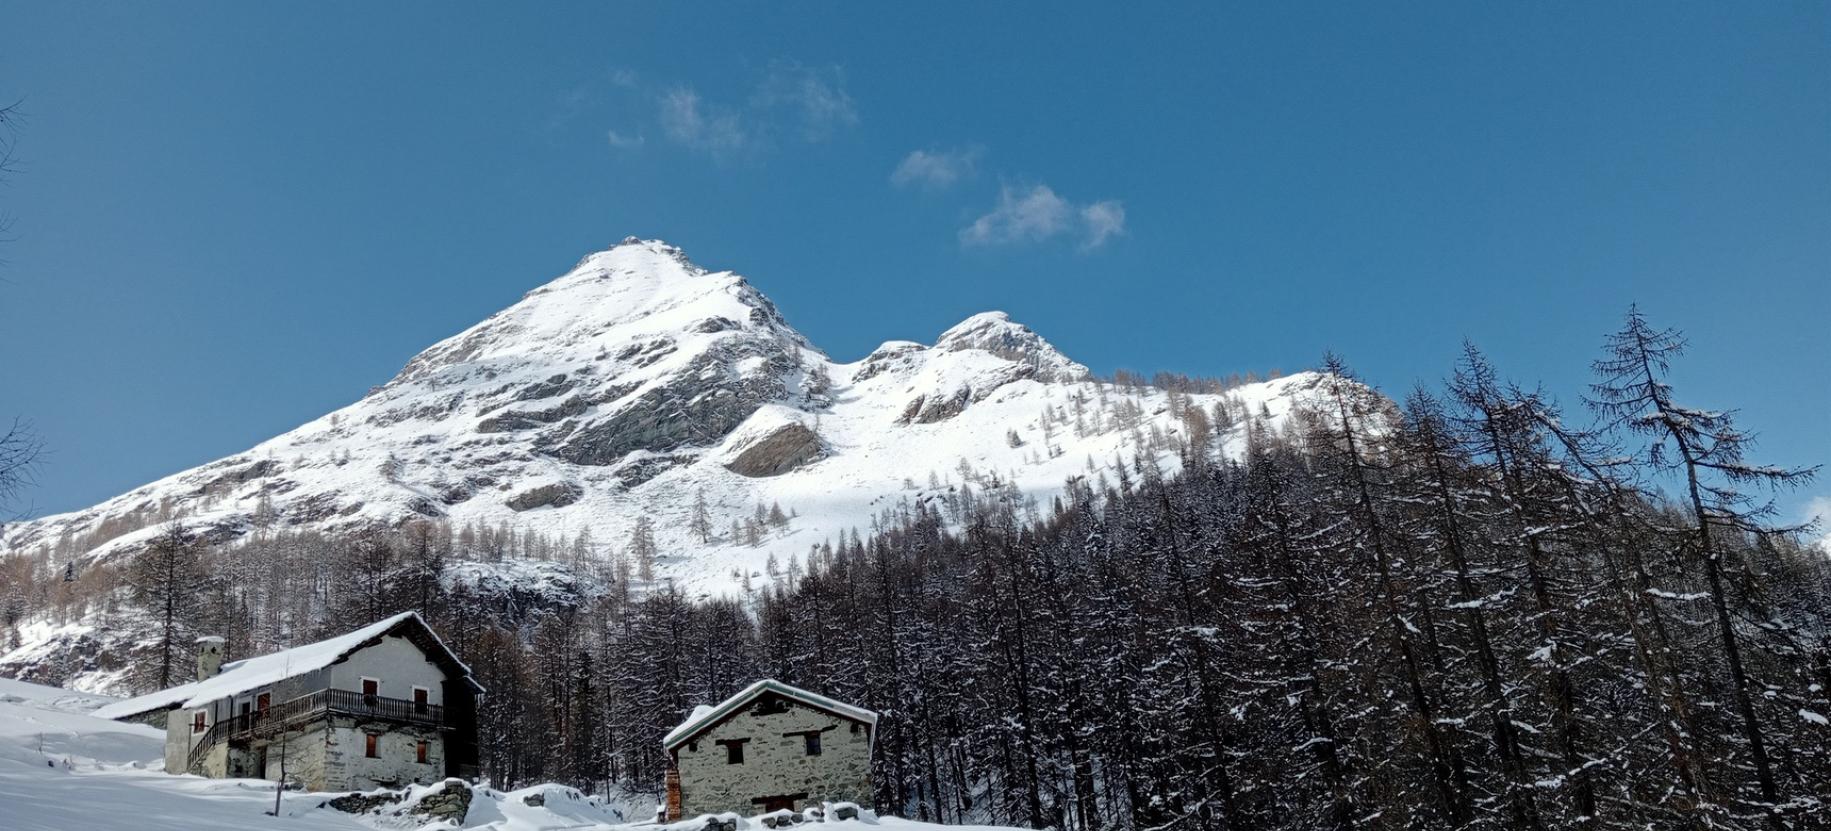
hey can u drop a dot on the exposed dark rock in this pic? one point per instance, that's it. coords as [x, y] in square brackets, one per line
[557, 495]
[235, 477]
[525, 419]
[699, 406]
[785, 448]
[638, 471]
[534, 800]
[643, 354]
[553, 386]
[930, 409]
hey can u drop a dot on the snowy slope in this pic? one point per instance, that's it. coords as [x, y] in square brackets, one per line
[639, 381]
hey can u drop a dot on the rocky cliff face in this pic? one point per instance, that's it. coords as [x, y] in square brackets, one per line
[638, 383]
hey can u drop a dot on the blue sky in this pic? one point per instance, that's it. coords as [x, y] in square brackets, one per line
[232, 218]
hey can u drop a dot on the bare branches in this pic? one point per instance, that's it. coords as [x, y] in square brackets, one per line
[20, 451]
[10, 118]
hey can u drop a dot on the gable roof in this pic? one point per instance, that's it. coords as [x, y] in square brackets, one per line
[263, 670]
[704, 717]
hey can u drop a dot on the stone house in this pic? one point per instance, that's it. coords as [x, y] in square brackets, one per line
[769, 747]
[382, 706]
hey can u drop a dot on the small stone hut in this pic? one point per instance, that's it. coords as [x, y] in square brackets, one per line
[770, 747]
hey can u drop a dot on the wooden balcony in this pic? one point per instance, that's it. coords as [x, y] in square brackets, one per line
[293, 714]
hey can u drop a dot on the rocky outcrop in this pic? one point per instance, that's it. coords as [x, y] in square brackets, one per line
[365, 803]
[928, 409]
[700, 405]
[777, 452]
[527, 419]
[997, 333]
[554, 495]
[450, 802]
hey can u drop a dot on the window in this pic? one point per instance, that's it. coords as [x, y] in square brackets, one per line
[371, 746]
[371, 687]
[421, 698]
[813, 743]
[734, 750]
[263, 701]
[198, 721]
[419, 752]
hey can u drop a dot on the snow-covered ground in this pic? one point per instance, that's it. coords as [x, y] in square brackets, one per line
[62, 769]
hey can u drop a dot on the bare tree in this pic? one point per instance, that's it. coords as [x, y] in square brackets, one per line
[10, 118]
[1705, 452]
[20, 449]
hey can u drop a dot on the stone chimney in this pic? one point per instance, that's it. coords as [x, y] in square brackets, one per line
[209, 657]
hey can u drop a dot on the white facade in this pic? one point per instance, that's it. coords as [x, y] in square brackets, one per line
[387, 706]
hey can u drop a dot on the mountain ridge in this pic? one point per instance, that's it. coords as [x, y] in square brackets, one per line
[639, 383]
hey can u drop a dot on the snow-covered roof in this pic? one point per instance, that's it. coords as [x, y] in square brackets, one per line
[705, 716]
[264, 670]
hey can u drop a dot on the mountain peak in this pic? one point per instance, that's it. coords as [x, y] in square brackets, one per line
[997, 333]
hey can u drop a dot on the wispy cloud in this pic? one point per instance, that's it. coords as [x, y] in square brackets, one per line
[625, 141]
[1036, 214]
[688, 122]
[936, 169]
[817, 96]
[783, 103]
[1103, 220]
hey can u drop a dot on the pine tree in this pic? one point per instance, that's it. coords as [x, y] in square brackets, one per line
[642, 549]
[700, 523]
[165, 581]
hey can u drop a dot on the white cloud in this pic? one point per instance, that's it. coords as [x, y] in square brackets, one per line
[1037, 213]
[623, 141]
[1103, 220]
[789, 98]
[936, 169]
[818, 96]
[715, 130]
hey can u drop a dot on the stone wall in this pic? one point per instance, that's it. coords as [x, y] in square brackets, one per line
[304, 755]
[346, 767]
[776, 762]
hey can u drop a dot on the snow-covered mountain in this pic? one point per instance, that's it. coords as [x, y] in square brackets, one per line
[638, 383]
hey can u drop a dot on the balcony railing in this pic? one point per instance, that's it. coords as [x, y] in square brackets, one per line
[288, 715]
